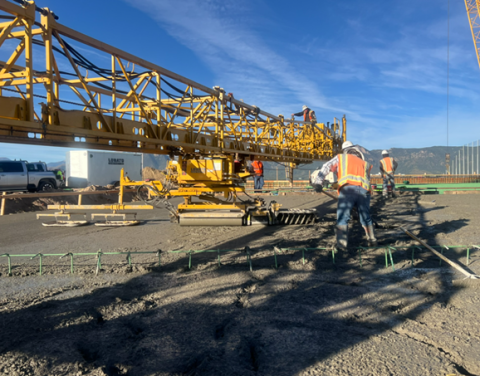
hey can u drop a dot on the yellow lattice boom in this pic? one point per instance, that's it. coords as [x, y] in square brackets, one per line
[56, 91]
[473, 12]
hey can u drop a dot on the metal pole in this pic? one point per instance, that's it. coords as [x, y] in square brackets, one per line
[468, 162]
[478, 172]
[463, 161]
[473, 159]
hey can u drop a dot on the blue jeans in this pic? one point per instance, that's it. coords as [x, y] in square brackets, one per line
[353, 196]
[258, 182]
[387, 180]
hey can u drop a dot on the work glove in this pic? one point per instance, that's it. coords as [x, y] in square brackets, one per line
[317, 188]
[313, 177]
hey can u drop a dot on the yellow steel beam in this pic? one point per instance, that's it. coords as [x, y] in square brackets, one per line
[473, 13]
[197, 120]
[100, 207]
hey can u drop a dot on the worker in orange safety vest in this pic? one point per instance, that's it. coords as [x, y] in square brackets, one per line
[256, 168]
[388, 165]
[353, 174]
[308, 114]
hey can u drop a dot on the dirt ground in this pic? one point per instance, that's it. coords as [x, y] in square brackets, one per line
[312, 318]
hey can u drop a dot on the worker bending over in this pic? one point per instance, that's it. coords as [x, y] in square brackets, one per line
[257, 170]
[388, 165]
[354, 190]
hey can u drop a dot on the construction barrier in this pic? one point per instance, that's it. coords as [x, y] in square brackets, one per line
[389, 260]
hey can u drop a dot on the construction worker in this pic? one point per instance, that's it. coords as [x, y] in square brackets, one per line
[354, 190]
[308, 114]
[257, 170]
[388, 165]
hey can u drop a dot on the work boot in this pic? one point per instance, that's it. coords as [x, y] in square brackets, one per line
[342, 237]
[372, 240]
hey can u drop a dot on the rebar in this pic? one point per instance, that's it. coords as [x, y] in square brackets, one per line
[246, 250]
[9, 263]
[391, 257]
[41, 257]
[71, 260]
[99, 261]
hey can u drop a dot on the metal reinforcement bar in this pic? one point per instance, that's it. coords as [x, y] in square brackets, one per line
[247, 251]
[440, 255]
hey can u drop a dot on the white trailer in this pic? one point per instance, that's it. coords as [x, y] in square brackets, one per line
[86, 167]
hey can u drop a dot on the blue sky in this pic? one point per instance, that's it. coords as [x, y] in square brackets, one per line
[382, 63]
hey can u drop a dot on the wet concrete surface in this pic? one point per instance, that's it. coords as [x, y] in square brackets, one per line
[308, 317]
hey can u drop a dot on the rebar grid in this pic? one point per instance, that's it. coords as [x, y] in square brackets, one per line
[247, 251]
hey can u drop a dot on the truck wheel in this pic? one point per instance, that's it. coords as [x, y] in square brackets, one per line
[45, 186]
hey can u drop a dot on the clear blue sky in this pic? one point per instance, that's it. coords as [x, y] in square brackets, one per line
[382, 63]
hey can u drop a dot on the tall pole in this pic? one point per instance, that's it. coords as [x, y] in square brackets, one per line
[473, 161]
[468, 161]
[460, 160]
[478, 172]
[463, 161]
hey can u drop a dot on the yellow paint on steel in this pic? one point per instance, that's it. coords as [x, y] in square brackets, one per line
[100, 207]
[473, 13]
[199, 121]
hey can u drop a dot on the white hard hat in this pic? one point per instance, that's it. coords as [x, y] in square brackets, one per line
[346, 144]
[304, 107]
[384, 152]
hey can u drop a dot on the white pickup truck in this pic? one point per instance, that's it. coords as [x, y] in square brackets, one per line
[24, 176]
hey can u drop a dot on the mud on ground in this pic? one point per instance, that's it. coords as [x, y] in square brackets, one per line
[317, 318]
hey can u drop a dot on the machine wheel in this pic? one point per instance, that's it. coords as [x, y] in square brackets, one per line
[45, 186]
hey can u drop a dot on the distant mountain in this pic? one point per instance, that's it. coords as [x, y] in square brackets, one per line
[419, 161]
[4, 159]
[156, 161]
[416, 161]
[429, 160]
[56, 165]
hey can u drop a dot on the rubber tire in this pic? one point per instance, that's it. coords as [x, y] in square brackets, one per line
[45, 186]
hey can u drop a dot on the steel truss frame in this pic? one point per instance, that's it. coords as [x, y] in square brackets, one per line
[473, 12]
[127, 107]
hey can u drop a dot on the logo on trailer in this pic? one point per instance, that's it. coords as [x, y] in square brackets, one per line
[115, 161]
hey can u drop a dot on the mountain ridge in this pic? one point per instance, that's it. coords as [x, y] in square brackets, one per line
[414, 161]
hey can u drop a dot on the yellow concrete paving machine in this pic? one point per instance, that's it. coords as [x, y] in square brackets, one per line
[133, 105]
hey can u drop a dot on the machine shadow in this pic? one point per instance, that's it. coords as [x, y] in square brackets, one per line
[224, 320]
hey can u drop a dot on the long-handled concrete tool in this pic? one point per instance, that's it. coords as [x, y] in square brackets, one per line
[330, 195]
[455, 265]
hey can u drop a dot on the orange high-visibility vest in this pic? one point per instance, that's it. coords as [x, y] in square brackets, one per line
[257, 168]
[387, 164]
[353, 170]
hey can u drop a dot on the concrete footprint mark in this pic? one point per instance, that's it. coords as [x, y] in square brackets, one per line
[243, 295]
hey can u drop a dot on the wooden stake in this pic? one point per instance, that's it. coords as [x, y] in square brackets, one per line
[2, 206]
